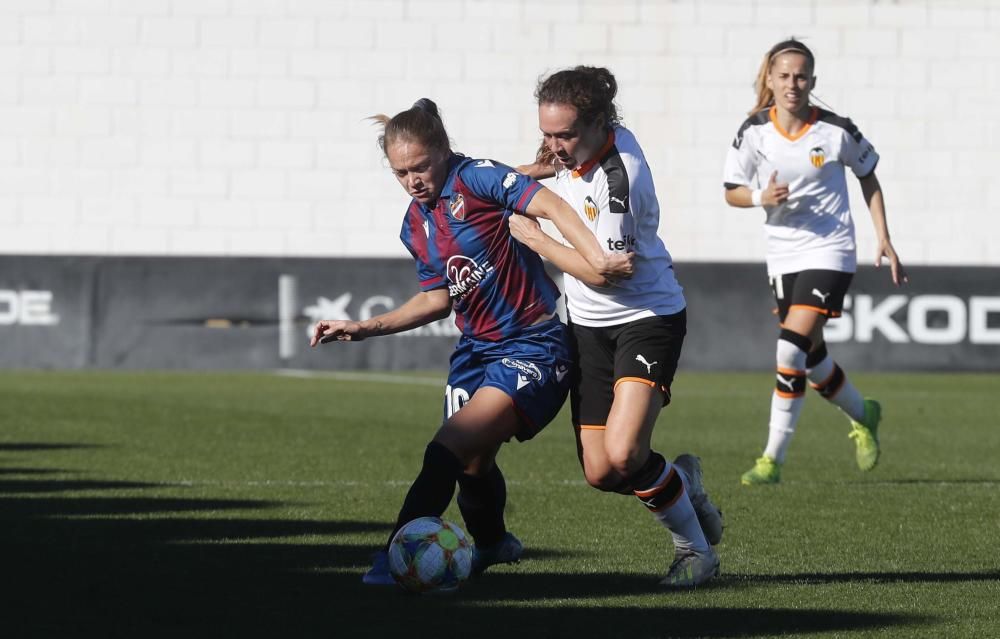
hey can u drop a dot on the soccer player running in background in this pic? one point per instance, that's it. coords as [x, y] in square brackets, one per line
[509, 373]
[789, 157]
[628, 336]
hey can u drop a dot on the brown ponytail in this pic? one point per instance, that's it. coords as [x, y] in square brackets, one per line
[421, 123]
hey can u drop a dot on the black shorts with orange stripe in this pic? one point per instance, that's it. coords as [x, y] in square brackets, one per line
[820, 291]
[645, 350]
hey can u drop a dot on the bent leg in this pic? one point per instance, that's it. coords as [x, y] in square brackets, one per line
[472, 435]
[482, 498]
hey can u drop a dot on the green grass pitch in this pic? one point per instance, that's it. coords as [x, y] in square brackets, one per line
[234, 505]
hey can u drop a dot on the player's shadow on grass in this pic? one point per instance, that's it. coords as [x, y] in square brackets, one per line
[107, 558]
[942, 482]
[872, 577]
[21, 447]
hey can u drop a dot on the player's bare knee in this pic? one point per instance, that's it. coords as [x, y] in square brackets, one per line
[624, 458]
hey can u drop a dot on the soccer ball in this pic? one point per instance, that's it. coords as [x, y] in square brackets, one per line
[429, 554]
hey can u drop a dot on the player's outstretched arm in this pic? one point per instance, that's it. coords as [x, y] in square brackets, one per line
[537, 170]
[548, 205]
[528, 232]
[872, 191]
[422, 308]
[543, 167]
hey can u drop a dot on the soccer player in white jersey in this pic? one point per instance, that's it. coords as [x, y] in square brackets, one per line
[628, 332]
[789, 157]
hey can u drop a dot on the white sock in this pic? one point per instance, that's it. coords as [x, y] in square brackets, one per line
[788, 397]
[825, 377]
[678, 517]
[784, 416]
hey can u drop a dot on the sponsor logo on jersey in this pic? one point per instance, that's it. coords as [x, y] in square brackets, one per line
[457, 206]
[509, 180]
[817, 156]
[465, 275]
[524, 368]
[590, 208]
[484, 164]
[626, 243]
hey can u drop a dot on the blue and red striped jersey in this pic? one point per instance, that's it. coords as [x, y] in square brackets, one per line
[497, 285]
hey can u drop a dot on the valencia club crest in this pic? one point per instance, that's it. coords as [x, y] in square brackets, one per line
[817, 156]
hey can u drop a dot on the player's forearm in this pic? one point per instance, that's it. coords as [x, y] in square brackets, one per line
[872, 191]
[550, 206]
[538, 170]
[567, 260]
[421, 309]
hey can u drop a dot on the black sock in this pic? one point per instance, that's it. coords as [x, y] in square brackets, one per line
[482, 501]
[431, 491]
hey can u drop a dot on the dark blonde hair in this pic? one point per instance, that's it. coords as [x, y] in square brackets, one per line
[765, 97]
[420, 123]
[590, 90]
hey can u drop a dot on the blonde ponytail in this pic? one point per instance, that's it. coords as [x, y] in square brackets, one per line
[764, 94]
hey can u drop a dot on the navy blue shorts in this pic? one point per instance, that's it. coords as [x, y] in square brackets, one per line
[533, 368]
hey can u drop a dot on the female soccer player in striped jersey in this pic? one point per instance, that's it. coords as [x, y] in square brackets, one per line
[509, 373]
[628, 335]
[789, 157]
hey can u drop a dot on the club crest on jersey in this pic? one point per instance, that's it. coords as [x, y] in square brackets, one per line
[525, 368]
[817, 156]
[590, 208]
[457, 206]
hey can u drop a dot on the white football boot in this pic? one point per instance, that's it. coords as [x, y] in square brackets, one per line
[709, 515]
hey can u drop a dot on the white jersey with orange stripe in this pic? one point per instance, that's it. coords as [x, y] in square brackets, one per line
[614, 196]
[813, 229]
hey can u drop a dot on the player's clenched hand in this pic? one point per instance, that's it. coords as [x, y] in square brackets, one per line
[775, 193]
[336, 331]
[617, 266]
[526, 231]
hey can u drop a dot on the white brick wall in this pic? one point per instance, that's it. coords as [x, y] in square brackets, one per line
[237, 127]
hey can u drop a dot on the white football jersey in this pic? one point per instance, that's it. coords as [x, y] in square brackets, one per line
[614, 196]
[813, 229]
